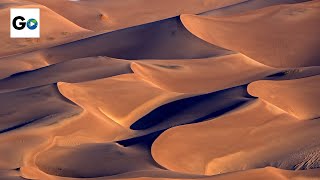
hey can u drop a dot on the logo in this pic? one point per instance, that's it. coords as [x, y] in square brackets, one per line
[25, 23]
[32, 24]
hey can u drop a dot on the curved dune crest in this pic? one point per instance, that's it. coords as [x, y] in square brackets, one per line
[251, 137]
[279, 36]
[93, 160]
[173, 41]
[21, 63]
[123, 98]
[201, 75]
[297, 97]
[145, 93]
[72, 71]
[113, 14]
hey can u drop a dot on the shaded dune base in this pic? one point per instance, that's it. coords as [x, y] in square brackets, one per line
[83, 160]
[192, 110]
[37, 113]
[285, 26]
[154, 101]
[173, 41]
[73, 71]
[107, 102]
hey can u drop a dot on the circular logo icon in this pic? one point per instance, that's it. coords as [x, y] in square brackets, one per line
[32, 24]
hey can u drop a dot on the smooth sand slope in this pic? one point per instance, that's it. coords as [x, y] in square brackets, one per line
[202, 75]
[166, 39]
[110, 15]
[131, 90]
[106, 97]
[254, 136]
[293, 96]
[279, 36]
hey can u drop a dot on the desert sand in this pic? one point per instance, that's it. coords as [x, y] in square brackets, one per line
[162, 90]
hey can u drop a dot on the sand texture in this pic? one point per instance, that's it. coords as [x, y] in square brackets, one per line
[162, 90]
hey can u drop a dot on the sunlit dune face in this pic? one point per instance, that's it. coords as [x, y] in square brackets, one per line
[161, 90]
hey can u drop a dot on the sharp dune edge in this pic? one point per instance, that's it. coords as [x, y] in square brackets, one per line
[162, 90]
[275, 30]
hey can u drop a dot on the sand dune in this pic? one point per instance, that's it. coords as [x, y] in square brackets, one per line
[82, 160]
[162, 90]
[112, 15]
[73, 71]
[192, 110]
[101, 98]
[293, 96]
[226, 144]
[205, 75]
[173, 41]
[37, 112]
[276, 36]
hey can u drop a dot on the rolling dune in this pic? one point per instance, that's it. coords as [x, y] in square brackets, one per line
[205, 75]
[295, 96]
[173, 41]
[162, 90]
[228, 143]
[110, 15]
[276, 37]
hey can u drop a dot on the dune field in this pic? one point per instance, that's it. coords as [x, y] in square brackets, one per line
[162, 90]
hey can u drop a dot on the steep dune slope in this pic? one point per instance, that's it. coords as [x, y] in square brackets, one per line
[14, 114]
[72, 71]
[279, 36]
[166, 39]
[110, 15]
[191, 110]
[296, 97]
[106, 97]
[252, 137]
